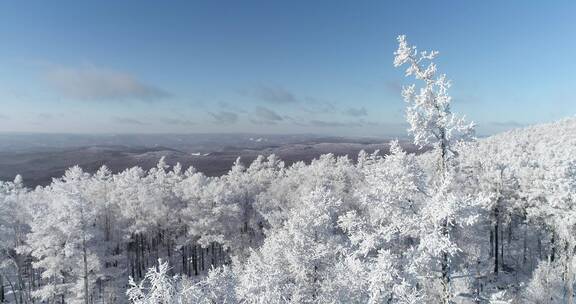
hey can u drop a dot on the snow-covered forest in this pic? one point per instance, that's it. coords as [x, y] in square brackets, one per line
[470, 221]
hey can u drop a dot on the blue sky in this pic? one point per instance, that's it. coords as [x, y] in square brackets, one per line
[275, 66]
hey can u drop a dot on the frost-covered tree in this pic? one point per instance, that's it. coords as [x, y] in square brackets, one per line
[384, 226]
[64, 241]
[546, 285]
[13, 229]
[428, 113]
[159, 287]
[557, 211]
[295, 261]
[433, 124]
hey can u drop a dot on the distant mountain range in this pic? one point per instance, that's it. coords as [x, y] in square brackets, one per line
[39, 157]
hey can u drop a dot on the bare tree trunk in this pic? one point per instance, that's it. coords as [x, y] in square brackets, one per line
[213, 256]
[445, 269]
[201, 259]
[143, 244]
[552, 243]
[169, 252]
[14, 293]
[139, 255]
[568, 291]
[491, 243]
[195, 259]
[525, 245]
[568, 276]
[85, 261]
[184, 260]
[1, 289]
[130, 259]
[443, 169]
[501, 249]
[496, 238]
[22, 286]
[222, 257]
[539, 247]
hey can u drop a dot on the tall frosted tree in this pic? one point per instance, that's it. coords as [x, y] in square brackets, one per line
[433, 124]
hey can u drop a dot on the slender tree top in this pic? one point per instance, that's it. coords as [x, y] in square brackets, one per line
[428, 113]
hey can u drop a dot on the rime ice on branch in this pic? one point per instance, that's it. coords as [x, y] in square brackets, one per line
[428, 112]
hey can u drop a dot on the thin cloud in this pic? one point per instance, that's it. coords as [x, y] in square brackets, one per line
[127, 121]
[273, 94]
[296, 121]
[267, 114]
[4, 117]
[393, 86]
[263, 122]
[230, 107]
[100, 84]
[315, 106]
[224, 117]
[45, 116]
[356, 112]
[177, 122]
[368, 123]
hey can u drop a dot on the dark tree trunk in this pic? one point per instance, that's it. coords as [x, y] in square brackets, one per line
[496, 238]
[539, 247]
[553, 253]
[184, 259]
[85, 260]
[201, 259]
[524, 246]
[195, 259]
[213, 256]
[445, 268]
[491, 243]
[2, 298]
[443, 168]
